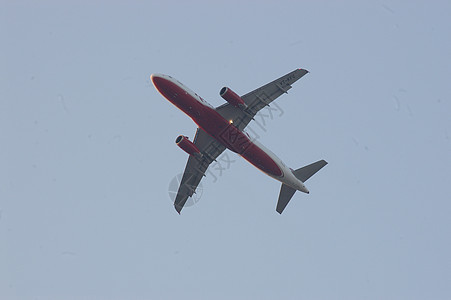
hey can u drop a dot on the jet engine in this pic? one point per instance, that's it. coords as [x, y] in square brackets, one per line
[231, 97]
[187, 146]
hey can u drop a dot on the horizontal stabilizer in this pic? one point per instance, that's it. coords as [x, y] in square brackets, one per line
[306, 172]
[303, 174]
[286, 193]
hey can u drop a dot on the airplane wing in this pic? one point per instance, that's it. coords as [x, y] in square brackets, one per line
[259, 98]
[196, 167]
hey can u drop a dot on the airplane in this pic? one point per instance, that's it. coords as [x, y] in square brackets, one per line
[223, 127]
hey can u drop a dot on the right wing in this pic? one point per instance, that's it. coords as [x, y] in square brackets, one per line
[196, 167]
[259, 98]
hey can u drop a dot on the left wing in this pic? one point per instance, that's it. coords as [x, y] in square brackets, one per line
[259, 98]
[196, 167]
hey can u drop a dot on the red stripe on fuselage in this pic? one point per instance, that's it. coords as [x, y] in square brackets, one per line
[215, 125]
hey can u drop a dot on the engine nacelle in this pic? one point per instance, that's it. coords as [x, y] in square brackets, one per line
[231, 97]
[187, 146]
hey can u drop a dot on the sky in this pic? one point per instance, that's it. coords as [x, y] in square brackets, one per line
[88, 152]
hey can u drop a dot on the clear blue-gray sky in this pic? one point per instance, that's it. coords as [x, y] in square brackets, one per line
[87, 151]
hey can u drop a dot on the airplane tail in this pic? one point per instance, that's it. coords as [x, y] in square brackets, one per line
[303, 174]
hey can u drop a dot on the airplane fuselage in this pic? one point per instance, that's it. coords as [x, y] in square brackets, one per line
[207, 118]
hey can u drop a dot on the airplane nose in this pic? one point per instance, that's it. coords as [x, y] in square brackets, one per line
[156, 79]
[160, 83]
[152, 77]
